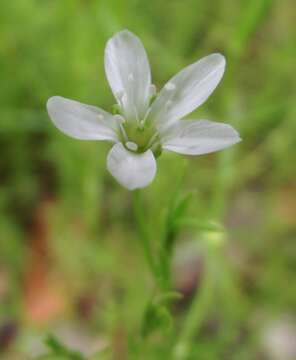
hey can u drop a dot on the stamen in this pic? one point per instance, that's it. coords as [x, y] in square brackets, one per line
[136, 113]
[152, 140]
[170, 86]
[119, 96]
[123, 132]
[131, 146]
[142, 123]
[152, 90]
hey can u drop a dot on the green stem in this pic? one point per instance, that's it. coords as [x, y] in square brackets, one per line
[143, 233]
[195, 316]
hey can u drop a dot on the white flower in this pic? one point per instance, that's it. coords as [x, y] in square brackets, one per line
[145, 125]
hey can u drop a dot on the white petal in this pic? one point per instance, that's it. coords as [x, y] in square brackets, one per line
[80, 121]
[198, 137]
[128, 72]
[188, 89]
[131, 170]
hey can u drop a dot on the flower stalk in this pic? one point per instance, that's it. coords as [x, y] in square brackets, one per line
[196, 315]
[143, 233]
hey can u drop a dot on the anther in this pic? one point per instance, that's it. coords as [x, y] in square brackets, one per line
[170, 86]
[131, 146]
[119, 96]
[152, 90]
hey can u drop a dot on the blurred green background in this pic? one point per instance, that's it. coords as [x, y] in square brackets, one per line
[70, 260]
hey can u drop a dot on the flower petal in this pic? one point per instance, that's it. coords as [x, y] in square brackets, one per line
[198, 137]
[128, 72]
[80, 121]
[131, 170]
[188, 89]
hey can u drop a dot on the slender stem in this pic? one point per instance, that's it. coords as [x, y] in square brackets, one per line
[195, 315]
[143, 234]
[176, 208]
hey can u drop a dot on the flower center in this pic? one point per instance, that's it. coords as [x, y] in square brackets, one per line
[140, 136]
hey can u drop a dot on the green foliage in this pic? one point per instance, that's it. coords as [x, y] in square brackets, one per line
[59, 351]
[157, 315]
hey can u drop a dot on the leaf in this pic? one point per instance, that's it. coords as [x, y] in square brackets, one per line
[157, 315]
[177, 210]
[201, 225]
[58, 349]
